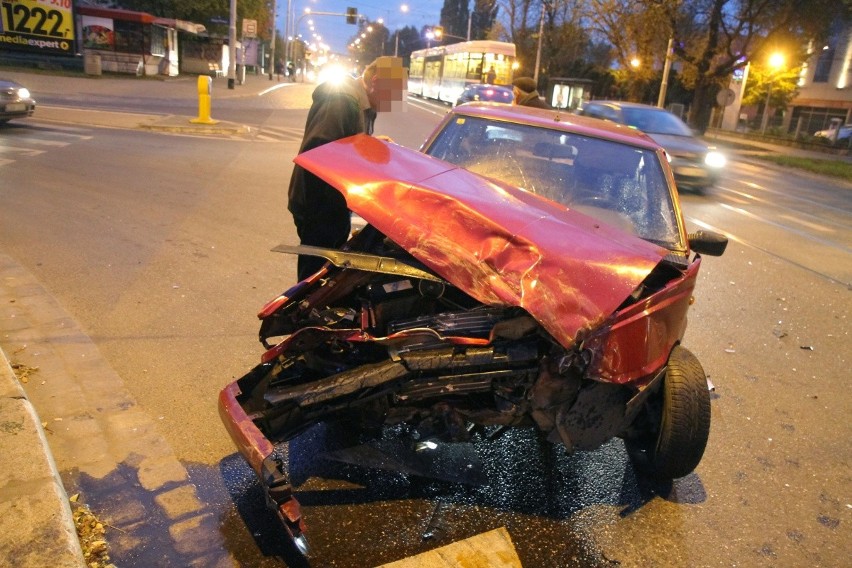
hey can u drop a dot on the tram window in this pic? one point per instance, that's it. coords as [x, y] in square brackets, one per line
[474, 67]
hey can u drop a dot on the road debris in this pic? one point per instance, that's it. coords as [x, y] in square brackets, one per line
[92, 534]
[23, 372]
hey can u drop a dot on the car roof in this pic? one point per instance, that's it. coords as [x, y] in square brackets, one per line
[9, 83]
[558, 120]
[488, 86]
[625, 104]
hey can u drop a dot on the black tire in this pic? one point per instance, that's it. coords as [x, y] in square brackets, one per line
[679, 417]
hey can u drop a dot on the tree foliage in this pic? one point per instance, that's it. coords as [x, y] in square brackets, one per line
[454, 16]
[482, 19]
[372, 40]
[780, 84]
[409, 40]
[711, 38]
[715, 37]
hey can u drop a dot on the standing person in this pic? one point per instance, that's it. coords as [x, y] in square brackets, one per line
[526, 93]
[339, 109]
[291, 71]
[492, 76]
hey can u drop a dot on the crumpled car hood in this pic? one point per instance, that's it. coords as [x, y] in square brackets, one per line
[499, 244]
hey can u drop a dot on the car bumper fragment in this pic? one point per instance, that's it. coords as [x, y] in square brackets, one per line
[258, 451]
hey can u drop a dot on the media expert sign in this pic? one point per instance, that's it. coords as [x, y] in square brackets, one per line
[37, 25]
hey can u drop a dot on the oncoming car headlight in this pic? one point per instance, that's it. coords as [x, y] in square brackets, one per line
[332, 73]
[715, 159]
[23, 93]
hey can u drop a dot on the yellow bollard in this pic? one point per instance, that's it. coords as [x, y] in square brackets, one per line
[205, 89]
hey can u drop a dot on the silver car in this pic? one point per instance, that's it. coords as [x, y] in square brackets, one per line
[696, 165]
[15, 101]
[838, 135]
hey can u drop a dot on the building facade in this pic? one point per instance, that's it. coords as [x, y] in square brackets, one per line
[825, 86]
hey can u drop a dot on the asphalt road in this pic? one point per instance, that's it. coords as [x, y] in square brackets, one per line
[136, 262]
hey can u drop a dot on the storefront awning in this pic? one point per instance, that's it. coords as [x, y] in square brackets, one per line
[142, 18]
[125, 15]
[182, 25]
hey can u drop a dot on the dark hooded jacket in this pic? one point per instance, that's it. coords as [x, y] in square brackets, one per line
[531, 100]
[337, 111]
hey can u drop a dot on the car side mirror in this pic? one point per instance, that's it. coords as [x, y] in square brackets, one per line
[708, 242]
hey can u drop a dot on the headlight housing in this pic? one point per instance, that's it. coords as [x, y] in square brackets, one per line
[23, 93]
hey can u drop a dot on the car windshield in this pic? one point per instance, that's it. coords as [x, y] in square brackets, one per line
[616, 183]
[653, 121]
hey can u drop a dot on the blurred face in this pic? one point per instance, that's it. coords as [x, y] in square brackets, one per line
[387, 89]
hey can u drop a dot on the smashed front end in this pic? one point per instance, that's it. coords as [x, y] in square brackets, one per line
[461, 305]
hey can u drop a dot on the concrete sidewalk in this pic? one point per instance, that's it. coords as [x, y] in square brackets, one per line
[163, 123]
[41, 83]
[185, 88]
[36, 526]
[36, 522]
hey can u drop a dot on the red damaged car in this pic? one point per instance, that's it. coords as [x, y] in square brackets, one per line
[526, 269]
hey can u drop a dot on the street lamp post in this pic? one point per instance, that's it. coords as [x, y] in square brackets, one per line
[776, 60]
[403, 8]
[661, 101]
[232, 45]
[272, 46]
[538, 49]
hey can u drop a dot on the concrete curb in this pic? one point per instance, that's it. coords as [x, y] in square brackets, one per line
[168, 123]
[36, 524]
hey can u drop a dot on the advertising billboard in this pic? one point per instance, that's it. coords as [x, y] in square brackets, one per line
[37, 26]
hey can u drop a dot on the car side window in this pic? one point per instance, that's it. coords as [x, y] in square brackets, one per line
[601, 111]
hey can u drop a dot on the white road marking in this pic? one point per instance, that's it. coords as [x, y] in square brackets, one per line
[29, 152]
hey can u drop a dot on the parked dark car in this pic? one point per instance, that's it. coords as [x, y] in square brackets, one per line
[521, 271]
[696, 164]
[15, 101]
[486, 93]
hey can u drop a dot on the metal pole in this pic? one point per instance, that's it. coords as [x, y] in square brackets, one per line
[272, 47]
[766, 109]
[538, 50]
[740, 95]
[661, 101]
[396, 45]
[469, 18]
[288, 24]
[232, 45]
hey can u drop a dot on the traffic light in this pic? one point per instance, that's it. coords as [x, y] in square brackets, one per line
[438, 31]
[351, 15]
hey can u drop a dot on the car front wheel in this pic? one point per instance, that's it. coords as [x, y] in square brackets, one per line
[678, 420]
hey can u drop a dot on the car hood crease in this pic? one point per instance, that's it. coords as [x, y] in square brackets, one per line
[499, 244]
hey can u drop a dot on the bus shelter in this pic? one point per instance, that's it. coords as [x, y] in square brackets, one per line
[568, 93]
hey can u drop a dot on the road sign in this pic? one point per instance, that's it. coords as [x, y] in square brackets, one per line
[249, 28]
[726, 97]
